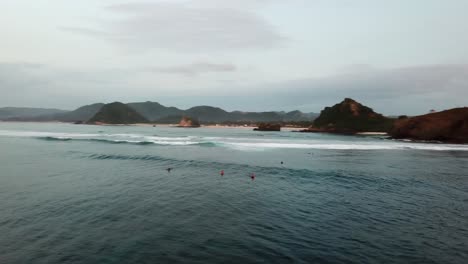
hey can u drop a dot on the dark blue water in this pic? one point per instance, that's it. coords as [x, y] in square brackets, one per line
[93, 194]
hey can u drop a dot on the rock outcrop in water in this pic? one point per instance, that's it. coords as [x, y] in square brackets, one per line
[349, 117]
[117, 113]
[446, 126]
[268, 127]
[189, 122]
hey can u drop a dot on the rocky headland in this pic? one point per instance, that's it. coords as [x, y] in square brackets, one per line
[449, 126]
[350, 117]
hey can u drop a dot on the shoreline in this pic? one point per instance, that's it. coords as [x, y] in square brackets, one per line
[287, 128]
[372, 134]
[213, 126]
[284, 129]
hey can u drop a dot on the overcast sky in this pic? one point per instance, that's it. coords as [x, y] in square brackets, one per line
[398, 56]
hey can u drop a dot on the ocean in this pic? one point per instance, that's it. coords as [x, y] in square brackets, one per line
[103, 194]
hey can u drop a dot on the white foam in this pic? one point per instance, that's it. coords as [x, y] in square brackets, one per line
[342, 146]
[16, 133]
[244, 143]
[149, 137]
[169, 138]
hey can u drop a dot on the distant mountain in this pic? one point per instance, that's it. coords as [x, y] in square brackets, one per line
[446, 126]
[154, 111]
[208, 114]
[82, 114]
[350, 116]
[299, 116]
[7, 113]
[158, 113]
[256, 116]
[174, 119]
[117, 113]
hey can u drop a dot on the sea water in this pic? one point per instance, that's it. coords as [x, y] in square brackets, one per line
[103, 194]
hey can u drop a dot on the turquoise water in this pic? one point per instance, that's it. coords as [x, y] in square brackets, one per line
[101, 194]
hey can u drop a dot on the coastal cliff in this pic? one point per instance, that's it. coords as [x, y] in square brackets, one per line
[447, 126]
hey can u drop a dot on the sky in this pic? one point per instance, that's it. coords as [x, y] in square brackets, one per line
[398, 57]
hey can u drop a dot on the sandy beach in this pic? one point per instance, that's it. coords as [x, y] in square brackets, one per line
[218, 126]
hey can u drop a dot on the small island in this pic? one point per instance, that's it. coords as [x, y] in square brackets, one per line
[117, 113]
[350, 117]
[189, 122]
[268, 127]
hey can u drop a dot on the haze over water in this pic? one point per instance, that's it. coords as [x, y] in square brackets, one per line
[101, 194]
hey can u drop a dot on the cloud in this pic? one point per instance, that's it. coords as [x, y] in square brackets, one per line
[405, 90]
[194, 68]
[21, 76]
[188, 26]
[20, 82]
[40, 85]
[392, 91]
[241, 4]
[86, 31]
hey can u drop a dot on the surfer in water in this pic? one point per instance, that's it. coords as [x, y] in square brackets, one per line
[169, 170]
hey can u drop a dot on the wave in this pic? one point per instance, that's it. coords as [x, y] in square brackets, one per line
[16, 133]
[136, 139]
[237, 143]
[259, 146]
[234, 168]
[350, 146]
[271, 170]
[56, 138]
[133, 142]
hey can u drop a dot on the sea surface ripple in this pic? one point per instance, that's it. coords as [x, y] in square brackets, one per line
[91, 194]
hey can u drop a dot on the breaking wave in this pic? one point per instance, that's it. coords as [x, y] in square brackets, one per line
[350, 146]
[133, 142]
[237, 143]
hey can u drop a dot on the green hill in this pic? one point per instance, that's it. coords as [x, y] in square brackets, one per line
[80, 114]
[298, 116]
[158, 113]
[154, 111]
[350, 116]
[117, 113]
[208, 113]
